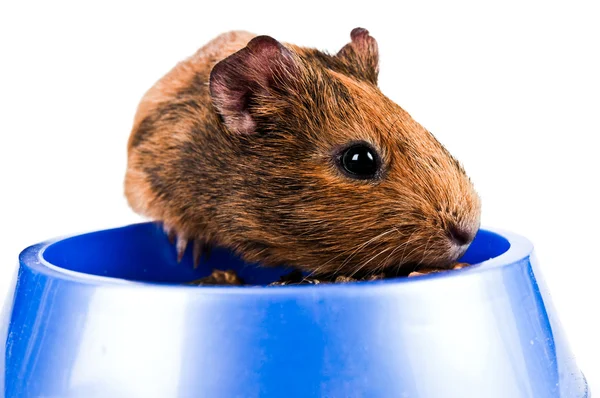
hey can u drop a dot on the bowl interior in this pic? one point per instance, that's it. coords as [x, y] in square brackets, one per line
[142, 252]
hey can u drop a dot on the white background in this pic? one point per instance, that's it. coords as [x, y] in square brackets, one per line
[512, 88]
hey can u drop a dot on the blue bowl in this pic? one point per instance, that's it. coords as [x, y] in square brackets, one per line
[103, 315]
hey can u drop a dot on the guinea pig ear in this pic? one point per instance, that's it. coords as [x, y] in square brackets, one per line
[247, 76]
[362, 54]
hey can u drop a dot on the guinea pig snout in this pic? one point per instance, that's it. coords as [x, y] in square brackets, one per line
[461, 235]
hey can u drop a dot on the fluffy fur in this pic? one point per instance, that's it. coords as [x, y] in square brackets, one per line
[236, 147]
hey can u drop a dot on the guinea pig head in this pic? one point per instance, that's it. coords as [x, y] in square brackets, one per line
[335, 176]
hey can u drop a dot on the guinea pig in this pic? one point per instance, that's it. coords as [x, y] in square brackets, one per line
[292, 156]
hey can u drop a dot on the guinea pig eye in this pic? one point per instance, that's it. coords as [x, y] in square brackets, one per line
[360, 161]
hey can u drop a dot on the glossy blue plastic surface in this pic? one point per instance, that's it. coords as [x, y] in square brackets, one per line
[102, 315]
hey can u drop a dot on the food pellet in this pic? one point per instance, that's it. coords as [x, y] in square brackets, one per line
[230, 277]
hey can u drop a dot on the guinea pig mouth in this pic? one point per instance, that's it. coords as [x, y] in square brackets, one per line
[460, 251]
[440, 254]
[447, 261]
[442, 262]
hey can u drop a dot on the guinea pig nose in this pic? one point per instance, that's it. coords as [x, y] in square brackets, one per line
[460, 235]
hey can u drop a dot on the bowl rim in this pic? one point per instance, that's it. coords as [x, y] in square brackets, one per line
[32, 257]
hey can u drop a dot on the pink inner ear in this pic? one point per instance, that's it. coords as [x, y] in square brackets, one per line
[363, 49]
[360, 35]
[362, 43]
[247, 74]
[244, 125]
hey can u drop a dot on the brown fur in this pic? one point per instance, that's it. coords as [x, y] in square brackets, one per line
[264, 182]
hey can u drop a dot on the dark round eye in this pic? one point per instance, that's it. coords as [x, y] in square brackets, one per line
[360, 161]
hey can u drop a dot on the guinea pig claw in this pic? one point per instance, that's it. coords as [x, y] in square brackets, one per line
[180, 247]
[170, 232]
[200, 248]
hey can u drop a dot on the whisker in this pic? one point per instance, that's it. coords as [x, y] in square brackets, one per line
[362, 246]
[425, 250]
[371, 259]
[416, 249]
[382, 263]
[410, 240]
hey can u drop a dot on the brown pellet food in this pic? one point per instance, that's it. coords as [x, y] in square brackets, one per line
[219, 277]
[296, 278]
[425, 271]
[230, 278]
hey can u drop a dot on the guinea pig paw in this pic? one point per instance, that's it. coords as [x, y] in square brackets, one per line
[180, 247]
[179, 240]
[170, 232]
[200, 248]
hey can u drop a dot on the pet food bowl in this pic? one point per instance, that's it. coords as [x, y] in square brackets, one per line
[104, 315]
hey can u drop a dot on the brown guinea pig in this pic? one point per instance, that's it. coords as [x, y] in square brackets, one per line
[292, 156]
